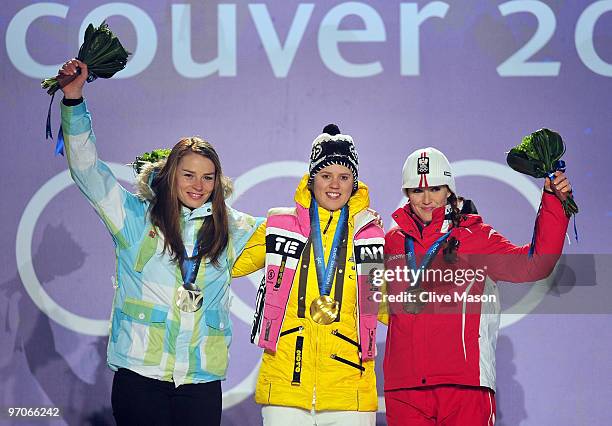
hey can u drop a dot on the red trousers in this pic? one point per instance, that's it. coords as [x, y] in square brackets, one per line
[443, 405]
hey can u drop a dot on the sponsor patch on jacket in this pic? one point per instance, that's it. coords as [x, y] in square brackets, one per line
[283, 245]
[369, 253]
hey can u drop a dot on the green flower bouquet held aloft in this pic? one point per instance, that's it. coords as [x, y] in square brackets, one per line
[101, 51]
[104, 55]
[149, 157]
[539, 155]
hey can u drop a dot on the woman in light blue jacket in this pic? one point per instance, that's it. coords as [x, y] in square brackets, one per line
[175, 243]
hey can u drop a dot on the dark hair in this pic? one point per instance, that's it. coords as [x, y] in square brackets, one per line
[165, 207]
[452, 244]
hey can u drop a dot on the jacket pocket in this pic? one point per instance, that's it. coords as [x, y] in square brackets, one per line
[215, 344]
[292, 330]
[347, 362]
[148, 247]
[347, 339]
[142, 331]
[271, 321]
[342, 355]
[217, 320]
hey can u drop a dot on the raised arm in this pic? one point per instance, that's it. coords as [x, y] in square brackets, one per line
[116, 206]
[508, 262]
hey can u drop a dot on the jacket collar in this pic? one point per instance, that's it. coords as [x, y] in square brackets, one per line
[440, 222]
[202, 211]
[411, 225]
[359, 201]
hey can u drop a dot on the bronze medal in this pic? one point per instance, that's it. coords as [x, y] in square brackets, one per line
[416, 305]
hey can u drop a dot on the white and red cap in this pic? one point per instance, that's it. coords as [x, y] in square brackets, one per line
[427, 167]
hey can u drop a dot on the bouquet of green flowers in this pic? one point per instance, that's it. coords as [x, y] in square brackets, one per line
[539, 155]
[149, 157]
[101, 51]
[104, 55]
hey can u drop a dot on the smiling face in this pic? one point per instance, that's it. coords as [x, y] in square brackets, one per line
[195, 180]
[424, 200]
[333, 186]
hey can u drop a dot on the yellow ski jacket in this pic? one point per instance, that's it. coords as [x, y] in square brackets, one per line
[318, 365]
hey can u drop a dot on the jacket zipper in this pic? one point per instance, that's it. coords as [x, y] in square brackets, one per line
[291, 330]
[346, 339]
[347, 362]
[419, 367]
[331, 216]
[337, 333]
[314, 386]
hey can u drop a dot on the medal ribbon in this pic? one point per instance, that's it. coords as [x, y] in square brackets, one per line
[190, 267]
[429, 255]
[325, 272]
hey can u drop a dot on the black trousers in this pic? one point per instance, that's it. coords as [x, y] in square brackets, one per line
[139, 400]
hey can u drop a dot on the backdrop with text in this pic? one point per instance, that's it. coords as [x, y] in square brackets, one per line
[259, 81]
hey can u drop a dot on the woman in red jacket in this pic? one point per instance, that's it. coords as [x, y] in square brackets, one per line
[441, 273]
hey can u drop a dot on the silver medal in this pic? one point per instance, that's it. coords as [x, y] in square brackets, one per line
[189, 298]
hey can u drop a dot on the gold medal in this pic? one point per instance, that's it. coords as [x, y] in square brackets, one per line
[189, 300]
[324, 310]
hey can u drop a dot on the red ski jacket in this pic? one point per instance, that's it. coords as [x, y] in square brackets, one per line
[452, 339]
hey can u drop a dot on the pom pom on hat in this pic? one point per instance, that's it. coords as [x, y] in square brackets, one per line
[331, 129]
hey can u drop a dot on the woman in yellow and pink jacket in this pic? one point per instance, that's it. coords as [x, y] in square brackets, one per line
[315, 315]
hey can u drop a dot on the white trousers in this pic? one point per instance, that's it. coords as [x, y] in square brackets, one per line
[274, 415]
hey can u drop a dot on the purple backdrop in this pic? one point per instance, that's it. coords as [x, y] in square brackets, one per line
[470, 78]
